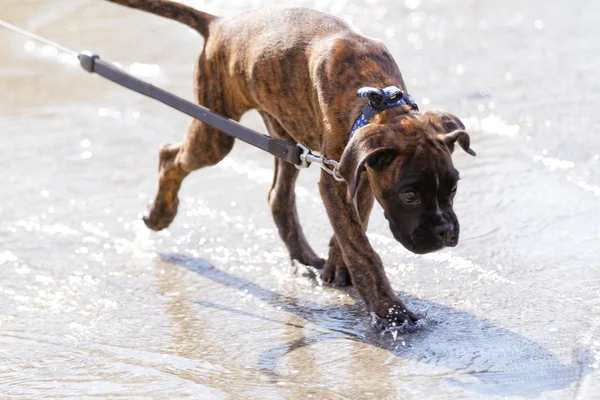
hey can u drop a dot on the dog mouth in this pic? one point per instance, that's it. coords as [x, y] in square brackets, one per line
[426, 249]
[422, 241]
[423, 244]
[429, 245]
[452, 241]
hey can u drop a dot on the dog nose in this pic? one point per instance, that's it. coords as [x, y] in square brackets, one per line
[443, 231]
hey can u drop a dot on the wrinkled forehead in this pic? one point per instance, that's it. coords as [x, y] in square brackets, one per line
[427, 165]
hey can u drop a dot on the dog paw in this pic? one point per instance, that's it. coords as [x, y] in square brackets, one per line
[308, 258]
[336, 275]
[395, 313]
[311, 260]
[161, 215]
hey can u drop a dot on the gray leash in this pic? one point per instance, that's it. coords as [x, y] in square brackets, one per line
[299, 155]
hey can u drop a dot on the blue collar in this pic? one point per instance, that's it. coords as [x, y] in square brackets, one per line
[380, 100]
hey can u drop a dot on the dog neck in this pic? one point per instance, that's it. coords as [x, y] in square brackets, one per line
[392, 115]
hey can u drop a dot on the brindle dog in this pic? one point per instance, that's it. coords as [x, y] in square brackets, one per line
[301, 69]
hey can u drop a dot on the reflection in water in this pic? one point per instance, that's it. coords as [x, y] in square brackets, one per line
[484, 358]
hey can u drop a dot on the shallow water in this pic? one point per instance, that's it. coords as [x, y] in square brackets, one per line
[92, 304]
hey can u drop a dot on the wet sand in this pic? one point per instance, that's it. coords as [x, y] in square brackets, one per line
[93, 305]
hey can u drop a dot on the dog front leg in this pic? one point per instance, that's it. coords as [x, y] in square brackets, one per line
[335, 271]
[363, 263]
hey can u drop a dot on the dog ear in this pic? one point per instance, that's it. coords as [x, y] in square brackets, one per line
[462, 138]
[450, 122]
[455, 131]
[365, 149]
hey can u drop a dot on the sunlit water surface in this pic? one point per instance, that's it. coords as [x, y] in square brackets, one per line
[92, 304]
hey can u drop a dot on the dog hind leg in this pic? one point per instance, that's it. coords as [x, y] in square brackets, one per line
[203, 146]
[282, 199]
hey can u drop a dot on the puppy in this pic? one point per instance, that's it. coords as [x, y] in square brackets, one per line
[301, 69]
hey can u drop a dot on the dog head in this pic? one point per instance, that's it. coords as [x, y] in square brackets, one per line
[407, 160]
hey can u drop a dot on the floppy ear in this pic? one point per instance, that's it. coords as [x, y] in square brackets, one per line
[364, 149]
[449, 122]
[455, 131]
[462, 138]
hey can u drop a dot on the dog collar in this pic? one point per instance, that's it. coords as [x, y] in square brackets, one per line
[379, 100]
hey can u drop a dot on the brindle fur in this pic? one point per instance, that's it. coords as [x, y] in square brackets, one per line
[300, 69]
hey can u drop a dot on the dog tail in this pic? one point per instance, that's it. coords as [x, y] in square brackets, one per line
[187, 15]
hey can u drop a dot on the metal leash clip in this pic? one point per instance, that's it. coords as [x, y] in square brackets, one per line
[329, 166]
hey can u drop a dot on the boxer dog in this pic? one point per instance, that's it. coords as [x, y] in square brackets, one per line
[301, 69]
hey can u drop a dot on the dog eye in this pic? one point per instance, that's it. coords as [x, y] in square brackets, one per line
[410, 196]
[453, 191]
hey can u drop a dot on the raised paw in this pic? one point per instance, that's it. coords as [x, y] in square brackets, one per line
[164, 208]
[336, 274]
[161, 214]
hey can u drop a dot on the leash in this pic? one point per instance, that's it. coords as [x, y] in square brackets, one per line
[298, 154]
